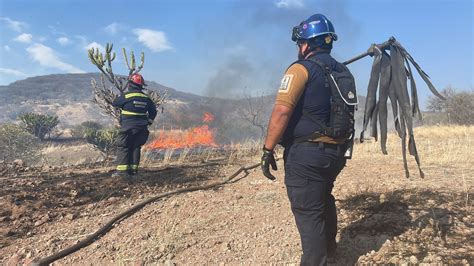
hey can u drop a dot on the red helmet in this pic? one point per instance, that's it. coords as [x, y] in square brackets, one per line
[137, 79]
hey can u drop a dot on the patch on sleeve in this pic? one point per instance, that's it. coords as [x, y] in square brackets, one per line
[285, 83]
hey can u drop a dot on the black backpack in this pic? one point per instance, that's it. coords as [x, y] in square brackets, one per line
[343, 104]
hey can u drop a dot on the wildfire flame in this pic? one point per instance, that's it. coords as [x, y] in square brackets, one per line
[191, 138]
[207, 117]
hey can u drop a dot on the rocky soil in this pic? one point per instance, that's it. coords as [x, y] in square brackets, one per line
[383, 217]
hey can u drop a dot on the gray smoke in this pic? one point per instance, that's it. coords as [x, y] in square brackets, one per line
[231, 78]
[254, 67]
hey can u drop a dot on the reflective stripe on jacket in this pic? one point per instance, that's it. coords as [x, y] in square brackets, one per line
[136, 109]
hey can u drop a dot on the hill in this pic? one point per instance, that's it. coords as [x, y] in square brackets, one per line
[67, 87]
[69, 97]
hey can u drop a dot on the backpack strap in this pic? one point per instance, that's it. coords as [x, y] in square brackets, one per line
[323, 66]
[327, 72]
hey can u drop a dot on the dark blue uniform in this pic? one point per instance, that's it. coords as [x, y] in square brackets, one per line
[315, 99]
[137, 112]
[311, 167]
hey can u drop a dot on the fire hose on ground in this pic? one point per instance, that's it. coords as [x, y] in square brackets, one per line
[108, 226]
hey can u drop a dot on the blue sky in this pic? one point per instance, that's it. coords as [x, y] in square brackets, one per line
[230, 47]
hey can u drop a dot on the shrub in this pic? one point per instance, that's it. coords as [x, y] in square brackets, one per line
[458, 107]
[79, 131]
[102, 139]
[38, 124]
[92, 125]
[16, 143]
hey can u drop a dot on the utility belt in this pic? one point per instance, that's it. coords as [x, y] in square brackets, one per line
[340, 149]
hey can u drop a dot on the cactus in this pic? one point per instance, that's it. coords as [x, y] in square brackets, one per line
[102, 139]
[103, 95]
[39, 125]
[132, 64]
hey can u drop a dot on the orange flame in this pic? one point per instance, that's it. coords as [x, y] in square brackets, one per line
[190, 138]
[207, 117]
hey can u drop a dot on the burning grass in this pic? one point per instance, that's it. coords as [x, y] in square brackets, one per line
[201, 136]
[176, 139]
[197, 143]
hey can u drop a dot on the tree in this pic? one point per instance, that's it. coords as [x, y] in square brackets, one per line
[39, 125]
[438, 105]
[458, 107]
[255, 113]
[103, 95]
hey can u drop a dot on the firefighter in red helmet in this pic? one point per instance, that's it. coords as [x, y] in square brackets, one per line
[137, 112]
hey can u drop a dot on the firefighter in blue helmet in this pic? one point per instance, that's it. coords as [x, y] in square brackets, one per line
[137, 112]
[312, 159]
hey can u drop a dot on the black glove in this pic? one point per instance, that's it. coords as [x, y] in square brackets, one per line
[267, 160]
[150, 121]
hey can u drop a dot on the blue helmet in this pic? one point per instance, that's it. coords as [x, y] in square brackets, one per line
[314, 26]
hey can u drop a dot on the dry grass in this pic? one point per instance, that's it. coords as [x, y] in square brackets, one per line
[446, 145]
[248, 150]
[444, 150]
[63, 154]
[437, 146]
[446, 159]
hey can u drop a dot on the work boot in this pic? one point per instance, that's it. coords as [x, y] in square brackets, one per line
[121, 175]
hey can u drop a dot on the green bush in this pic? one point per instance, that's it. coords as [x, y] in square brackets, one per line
[102, 139]
[16, 143]
[79, 131]
[38, 124]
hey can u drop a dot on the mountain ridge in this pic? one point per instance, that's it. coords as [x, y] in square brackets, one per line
[79, 83]
[69, 96]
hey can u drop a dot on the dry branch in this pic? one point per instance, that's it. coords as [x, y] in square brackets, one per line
[254, 112]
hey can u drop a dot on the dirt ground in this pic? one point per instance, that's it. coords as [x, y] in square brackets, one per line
[383, 217]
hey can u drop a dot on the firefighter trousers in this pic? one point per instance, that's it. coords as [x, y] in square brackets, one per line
[310, 172]
[129, 143]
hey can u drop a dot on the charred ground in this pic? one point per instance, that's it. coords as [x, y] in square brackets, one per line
[383, 217]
